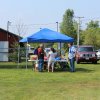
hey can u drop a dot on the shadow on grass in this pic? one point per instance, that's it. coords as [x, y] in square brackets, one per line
[14, 66]
[98, 63]
[84, 70]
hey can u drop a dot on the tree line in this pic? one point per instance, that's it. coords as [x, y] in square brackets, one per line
[88, 36]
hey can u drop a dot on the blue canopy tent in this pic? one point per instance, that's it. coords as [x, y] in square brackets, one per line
[45, 36]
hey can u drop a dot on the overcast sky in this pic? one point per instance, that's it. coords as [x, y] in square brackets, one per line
[36, 14]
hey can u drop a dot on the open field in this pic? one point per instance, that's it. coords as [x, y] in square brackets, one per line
[25, 84]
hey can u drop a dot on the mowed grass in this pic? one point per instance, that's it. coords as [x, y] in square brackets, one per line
[25, 84]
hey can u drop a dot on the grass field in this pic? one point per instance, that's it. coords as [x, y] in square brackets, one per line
[22, 84]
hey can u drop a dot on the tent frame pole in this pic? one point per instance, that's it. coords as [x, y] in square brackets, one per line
[26, 54]
[18, 55]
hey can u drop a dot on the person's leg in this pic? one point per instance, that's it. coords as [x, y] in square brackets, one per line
[48, 66]
[72, 65]
[42, 64]
[52, 66]
[39, 64]
[41, 61]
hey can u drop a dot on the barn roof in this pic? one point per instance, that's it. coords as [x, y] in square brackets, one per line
[9, 32]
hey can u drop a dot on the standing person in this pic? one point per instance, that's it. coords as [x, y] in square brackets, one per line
[41, 57]
[71, 56]
[51, 57]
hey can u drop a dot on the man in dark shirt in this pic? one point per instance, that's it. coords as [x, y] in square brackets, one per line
[41, 57]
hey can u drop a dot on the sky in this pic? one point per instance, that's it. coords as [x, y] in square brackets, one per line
[29, 16]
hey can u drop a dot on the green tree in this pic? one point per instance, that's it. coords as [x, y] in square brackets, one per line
[92, 37]
[68, 24]
[93, 24]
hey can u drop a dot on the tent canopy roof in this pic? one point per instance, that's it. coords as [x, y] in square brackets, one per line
[47, 35]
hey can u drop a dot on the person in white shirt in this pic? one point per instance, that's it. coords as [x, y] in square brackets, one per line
[51, 59]
[71, 56]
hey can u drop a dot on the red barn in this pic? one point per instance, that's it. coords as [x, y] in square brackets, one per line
[8, 36]
[7, 39]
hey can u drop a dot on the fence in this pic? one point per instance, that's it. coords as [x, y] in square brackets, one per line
[14, 57]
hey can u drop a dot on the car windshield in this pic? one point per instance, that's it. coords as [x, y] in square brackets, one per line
[85, 49]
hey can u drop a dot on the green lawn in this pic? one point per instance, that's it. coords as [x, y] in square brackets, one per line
[22, 84]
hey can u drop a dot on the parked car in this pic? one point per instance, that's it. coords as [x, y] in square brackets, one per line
[98, 54]
[86, 54]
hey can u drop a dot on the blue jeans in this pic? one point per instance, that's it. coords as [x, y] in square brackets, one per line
[72, 64]
[41, 63]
